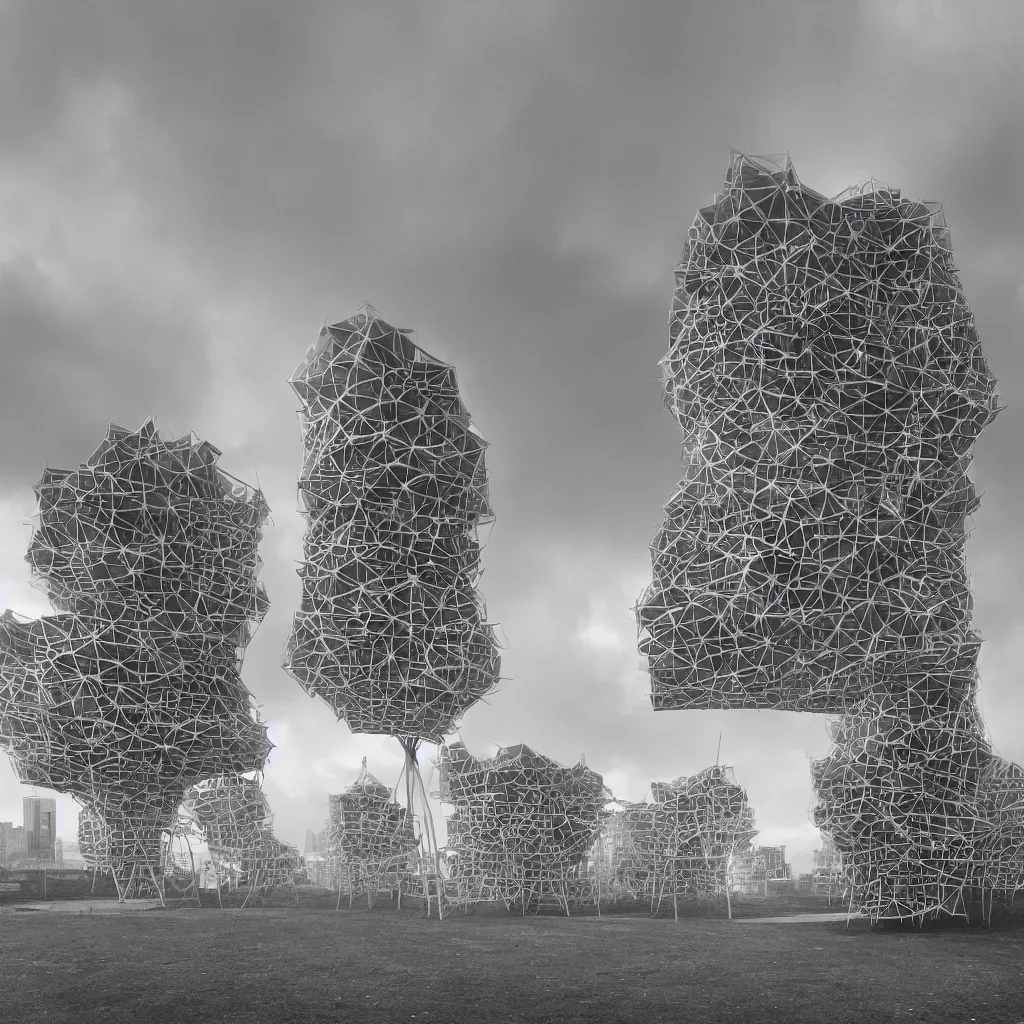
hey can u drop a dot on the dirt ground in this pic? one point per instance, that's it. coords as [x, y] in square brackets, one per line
[309, 964]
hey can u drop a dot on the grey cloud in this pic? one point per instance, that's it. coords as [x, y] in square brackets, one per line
[69, 365]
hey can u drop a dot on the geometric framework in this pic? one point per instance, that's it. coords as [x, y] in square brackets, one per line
[237, 824]
[521, 827]
[133, 691]
[391, 632]
[828, 380]
[370, 839]
[827, 375]
[683, 844]
[828, 878]
[752, 870]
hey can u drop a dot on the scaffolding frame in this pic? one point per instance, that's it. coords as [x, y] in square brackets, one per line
[827, 376]
[132, 690]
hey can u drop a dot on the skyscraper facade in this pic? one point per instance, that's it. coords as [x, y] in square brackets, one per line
[40, 816]
[12, 843]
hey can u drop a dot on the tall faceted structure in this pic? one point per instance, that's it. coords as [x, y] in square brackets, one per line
[369, 835]
[828, 377]
[391, 632]
[132, 691]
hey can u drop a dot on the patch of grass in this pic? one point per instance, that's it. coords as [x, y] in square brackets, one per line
[303, 964]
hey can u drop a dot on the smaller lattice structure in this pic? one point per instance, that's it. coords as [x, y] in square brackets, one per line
[625, 855]
[521, 828]
[681, 844]
[1001, 856]
[326, 869]
[370, 841]
[901, 796]
[329, 871]
[828, 878]
[180, 875]
[777, 868]
[237, 822]
[748, 874]
[751, 870]
[606, 852]
[711, 822]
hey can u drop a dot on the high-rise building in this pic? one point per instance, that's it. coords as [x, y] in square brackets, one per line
[12, 843]
[40, 815]
[311, 843]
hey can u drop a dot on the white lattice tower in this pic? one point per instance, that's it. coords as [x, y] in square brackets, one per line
[132, 690]
[826, 373]
[391, 632]
[371, 836]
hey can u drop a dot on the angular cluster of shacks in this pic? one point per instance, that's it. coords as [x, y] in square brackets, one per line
[527, 832]
[827, 376]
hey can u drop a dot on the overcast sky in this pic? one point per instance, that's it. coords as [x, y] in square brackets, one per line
[187, 190]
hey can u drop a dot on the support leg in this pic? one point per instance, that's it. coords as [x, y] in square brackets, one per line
[156, 885]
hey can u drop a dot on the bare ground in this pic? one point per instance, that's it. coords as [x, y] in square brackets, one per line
[309, 964]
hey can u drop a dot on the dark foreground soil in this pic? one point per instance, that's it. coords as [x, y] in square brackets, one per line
[308, 964]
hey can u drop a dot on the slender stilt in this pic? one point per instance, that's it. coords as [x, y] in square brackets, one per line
[156, 885]
[728, 896]
[122, 893]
